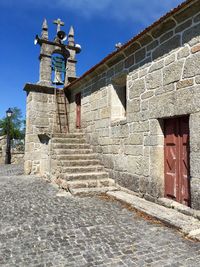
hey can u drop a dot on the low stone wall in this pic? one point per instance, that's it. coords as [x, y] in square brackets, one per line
[17, 156]
[2, 149]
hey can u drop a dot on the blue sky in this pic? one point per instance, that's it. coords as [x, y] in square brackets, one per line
[99, 25]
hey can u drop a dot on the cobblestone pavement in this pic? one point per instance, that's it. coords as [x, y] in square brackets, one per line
[40, 228]
[11, 169]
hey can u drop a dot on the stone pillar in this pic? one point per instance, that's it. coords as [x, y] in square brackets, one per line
[195, 159]
[71, 61]
[40, 116]
[45, 66]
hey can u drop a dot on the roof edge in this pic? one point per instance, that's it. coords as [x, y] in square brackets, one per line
[134, 39]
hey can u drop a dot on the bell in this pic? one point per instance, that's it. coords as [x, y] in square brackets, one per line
[57, 78]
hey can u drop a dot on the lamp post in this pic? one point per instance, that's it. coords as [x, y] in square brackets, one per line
[8, 146]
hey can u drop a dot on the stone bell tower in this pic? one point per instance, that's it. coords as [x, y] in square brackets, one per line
[46, 100]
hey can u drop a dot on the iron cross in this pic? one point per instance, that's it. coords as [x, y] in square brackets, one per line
[59, 23]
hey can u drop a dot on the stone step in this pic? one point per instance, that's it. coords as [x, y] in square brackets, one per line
[82, 169]
[66, 157]
[91, 191]
[67, 140]
[71, 146]
[59, 151]
[83, 176]
[68, 135]
[89, 183]
[78, 162]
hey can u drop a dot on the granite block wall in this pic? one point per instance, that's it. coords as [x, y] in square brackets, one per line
[161, 72]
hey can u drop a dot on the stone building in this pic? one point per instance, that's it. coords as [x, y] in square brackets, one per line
[138, 109]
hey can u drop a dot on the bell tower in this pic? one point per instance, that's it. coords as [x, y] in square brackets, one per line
[43, 120]
[56, 56]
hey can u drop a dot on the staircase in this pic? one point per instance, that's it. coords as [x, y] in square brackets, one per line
[75, 166]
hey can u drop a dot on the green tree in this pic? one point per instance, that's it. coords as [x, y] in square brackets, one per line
[17, 125]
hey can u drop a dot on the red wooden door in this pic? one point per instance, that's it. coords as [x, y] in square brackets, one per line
[177, 185]
[78, 110]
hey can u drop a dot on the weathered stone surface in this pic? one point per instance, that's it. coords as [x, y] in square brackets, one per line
[183, 26]
[156, 66]
[192, 35]
[139, 127]
[157, 164]
[170, 59]
[172, 73]
[167, 47]
[105, 113]
[164, 27]
[145, 40]
[195, 184]
[134, 165]
[156, 127]
[154, 140]
[144, 105]
[197, 18]
[133, 106]
[187, 12]
[154, 80]
[134, 139]
[147, 95]
[137, 88]
[135, 76]
[184, 83]
[140, 55]
[143, 72]
[131, 49]
[195, 49]
[197, 79]
[129, 61]
[162, 105]
[115, 60]
[183, 52]
[153, 45]
[186, 224]
[118, 68]
[166, 36]
[192, 66]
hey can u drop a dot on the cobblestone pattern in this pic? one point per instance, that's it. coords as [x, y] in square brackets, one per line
[39, 228]
[11, 169]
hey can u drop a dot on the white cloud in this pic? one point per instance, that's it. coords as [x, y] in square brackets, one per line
[143, 11]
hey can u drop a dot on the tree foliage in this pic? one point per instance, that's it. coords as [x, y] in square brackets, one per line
[17, 125]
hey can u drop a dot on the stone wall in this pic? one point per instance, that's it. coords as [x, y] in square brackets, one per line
[162, 70]
[2, 149]
[16, 155]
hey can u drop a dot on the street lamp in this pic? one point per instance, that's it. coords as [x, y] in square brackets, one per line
[8, 146]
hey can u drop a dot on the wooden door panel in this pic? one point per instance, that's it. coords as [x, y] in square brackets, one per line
[170, 159]
[177, 185]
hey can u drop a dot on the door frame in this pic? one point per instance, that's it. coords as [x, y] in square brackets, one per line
[78, 110]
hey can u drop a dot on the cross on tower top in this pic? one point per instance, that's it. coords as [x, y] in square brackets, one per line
[59, 23]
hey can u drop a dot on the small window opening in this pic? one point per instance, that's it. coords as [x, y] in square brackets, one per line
[118, 98]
